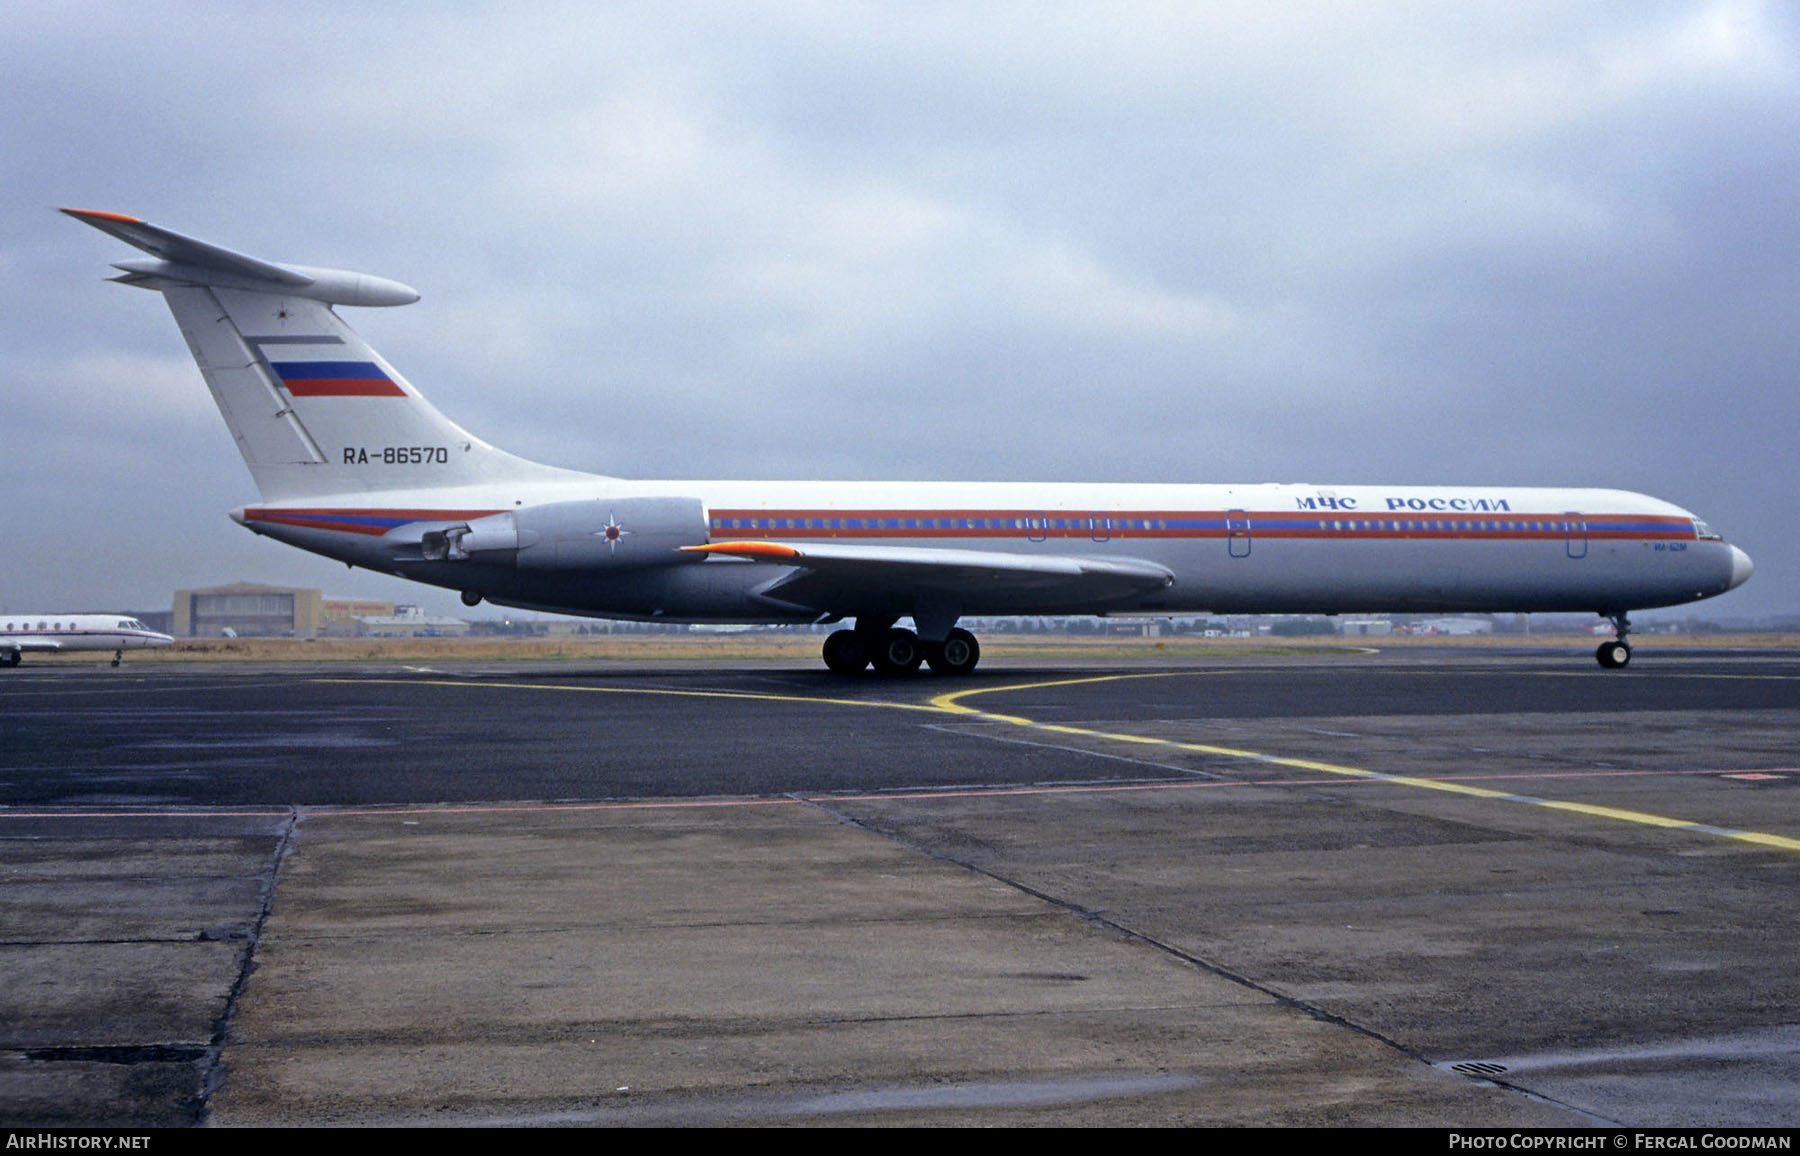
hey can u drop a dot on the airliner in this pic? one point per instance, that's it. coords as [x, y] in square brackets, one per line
[351, 462]
[60, 632]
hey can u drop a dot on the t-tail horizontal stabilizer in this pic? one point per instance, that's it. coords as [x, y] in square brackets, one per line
[185, 261]
[313, 409]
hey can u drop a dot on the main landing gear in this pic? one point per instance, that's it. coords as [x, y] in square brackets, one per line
[1615, 654]
[893, 650]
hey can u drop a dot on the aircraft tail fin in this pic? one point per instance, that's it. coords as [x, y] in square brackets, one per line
[313, 408]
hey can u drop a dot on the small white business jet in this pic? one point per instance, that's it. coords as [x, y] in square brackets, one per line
[353, 463]
[60, 632]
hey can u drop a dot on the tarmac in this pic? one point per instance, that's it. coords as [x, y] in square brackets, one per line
[1340, 887]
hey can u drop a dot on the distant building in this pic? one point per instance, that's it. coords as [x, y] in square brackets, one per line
[247, 609]
[411, 622]
[1457, 626]
[1136, 627]
[250, 610]
[343, 616]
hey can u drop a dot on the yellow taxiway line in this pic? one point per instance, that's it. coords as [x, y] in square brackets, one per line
[953, 704]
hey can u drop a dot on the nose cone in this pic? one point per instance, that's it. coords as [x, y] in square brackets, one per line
[1741, 568]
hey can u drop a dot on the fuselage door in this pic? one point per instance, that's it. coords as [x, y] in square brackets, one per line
[1575, 534]
[1237, 533]
[1100, 527]
[1037, 527]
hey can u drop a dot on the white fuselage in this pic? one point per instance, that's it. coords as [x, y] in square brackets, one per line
[63, 631]
[1231, 549]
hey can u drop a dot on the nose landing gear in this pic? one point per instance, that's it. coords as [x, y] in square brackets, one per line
[1615, 654]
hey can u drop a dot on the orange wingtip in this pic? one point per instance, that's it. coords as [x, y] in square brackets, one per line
[104, 216]
[747, 549]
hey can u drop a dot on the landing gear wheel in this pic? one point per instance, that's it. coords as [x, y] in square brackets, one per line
[957, 654]
[1615, 654]
[11, 657]
[898, 652]
[844, 653]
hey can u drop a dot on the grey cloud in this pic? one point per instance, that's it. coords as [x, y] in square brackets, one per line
[1498, 243]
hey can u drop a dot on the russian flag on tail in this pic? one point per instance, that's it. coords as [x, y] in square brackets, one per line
[336, 379]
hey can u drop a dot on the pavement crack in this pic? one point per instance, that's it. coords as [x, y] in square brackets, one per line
[1098, 918]
[212, 1074]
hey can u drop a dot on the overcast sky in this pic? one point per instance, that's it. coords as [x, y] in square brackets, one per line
[1489, 243]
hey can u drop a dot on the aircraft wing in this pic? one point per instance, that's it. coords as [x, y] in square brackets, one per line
[842, 577]
[30, 644]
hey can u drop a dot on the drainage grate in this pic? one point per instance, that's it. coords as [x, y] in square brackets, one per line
[1478, 1068]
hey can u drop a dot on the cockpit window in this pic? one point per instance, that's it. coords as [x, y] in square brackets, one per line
[1706, 532]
